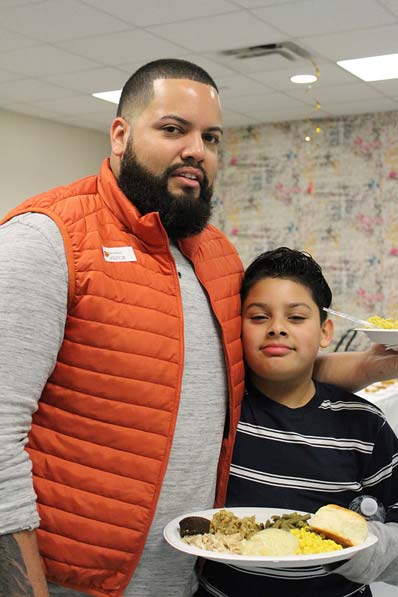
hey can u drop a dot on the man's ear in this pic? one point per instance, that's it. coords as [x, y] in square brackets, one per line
[119, 134]
[327, 329]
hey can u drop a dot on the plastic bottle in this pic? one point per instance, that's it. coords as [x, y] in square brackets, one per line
[369, 507]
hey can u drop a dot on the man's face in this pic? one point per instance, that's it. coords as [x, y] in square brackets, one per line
[170, 158]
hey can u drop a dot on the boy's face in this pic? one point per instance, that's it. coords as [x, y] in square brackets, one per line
[281, 331]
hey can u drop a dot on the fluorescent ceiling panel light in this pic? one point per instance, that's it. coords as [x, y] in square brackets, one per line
[302, 79]
[374, 68]
[109, 96]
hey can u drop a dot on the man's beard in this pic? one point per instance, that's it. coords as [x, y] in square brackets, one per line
[182, 215]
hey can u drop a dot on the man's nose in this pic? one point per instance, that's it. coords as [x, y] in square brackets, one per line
[194, 147]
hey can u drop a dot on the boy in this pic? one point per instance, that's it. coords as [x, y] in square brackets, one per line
[323, 445]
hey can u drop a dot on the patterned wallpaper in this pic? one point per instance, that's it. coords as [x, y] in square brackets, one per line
[335, 196]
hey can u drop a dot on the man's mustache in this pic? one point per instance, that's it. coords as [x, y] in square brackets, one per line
[189, 163]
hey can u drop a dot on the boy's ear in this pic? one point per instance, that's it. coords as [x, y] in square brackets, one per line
[326, 333]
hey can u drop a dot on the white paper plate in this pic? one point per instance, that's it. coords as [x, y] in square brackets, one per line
[172, 535]
[387, 337]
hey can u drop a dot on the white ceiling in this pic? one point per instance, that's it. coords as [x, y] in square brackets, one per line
[55, 53]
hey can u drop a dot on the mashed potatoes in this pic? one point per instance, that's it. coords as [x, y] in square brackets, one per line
[271, 542]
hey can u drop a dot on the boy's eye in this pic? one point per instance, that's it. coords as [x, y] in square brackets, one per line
[258, 317]
[297, 318]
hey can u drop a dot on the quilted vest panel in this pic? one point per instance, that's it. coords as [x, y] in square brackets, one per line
[102, 434]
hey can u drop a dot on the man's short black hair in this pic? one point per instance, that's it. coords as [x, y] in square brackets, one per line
[138, 90]
[290, 264]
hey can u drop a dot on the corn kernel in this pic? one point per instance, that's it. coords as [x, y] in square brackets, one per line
[311, 542]
[381, 322]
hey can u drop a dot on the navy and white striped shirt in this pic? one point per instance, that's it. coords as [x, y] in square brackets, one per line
[331, 450]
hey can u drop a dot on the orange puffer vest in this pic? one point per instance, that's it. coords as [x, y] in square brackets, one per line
[101, 438]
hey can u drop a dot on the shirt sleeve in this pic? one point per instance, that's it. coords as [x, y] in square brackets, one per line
[33, 303]
[381, 477]
[380, 562]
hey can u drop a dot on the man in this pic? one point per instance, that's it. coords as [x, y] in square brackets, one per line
[153, 299]
[119, 310]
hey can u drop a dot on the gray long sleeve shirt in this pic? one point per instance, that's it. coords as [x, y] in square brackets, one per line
[32, 319]
[379, 563]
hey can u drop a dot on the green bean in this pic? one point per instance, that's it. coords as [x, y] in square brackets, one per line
[287, 521]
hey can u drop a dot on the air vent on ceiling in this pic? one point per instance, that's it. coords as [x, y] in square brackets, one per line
[288, 50]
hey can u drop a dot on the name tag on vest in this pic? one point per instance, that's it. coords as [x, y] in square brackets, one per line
[119, 254]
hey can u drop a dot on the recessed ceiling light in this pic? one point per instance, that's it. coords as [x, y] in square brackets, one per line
[302, 79]
[373, 68]
[109, 96]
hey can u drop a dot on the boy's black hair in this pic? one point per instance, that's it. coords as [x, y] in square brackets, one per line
[290, 264]
[138, 89]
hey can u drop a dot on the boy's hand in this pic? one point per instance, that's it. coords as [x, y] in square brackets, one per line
[357, 568]
[377, 563]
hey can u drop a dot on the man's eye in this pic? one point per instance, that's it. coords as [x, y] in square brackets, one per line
[172, 129]
[212, 139]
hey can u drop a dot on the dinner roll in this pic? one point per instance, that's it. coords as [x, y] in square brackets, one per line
[340, 524]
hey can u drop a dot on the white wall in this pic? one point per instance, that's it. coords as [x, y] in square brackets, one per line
[38, 154]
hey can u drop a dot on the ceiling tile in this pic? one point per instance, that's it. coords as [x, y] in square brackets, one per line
[119, 48]
[355, 44]
[215, 69]
[79, 104]
[389, 87]
[361, 107]
[154, 12]
[285, 115]
[13, 41]
[267, 101]
[56, 20]
[43, 60]
[220, 32]
[90, 81]
[314, 17]
[56, 79]
[269, 62]
[259, 3]
[330, 74]
[391, 5]
[350, 91]
[6, 76]
[130, 67]
[8, 3]
[31, 90]
[231, 118]
[238, 85]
